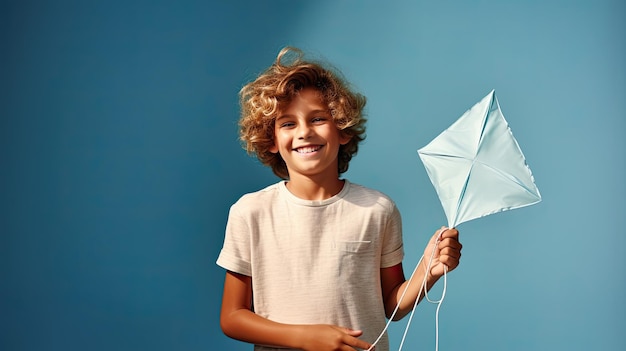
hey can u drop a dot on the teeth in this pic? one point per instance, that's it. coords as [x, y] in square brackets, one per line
[307, 149]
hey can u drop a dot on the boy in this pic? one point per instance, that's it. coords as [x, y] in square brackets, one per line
[314, 262]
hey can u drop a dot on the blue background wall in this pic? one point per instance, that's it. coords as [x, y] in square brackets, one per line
[120, 159]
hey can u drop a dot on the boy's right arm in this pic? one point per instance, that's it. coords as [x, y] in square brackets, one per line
[239, 322]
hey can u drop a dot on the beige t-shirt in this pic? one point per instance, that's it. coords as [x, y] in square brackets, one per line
[315, 261]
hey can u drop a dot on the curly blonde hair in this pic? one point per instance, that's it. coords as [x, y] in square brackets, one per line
[262, 99]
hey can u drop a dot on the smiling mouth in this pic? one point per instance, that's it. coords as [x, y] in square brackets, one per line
[307, 149]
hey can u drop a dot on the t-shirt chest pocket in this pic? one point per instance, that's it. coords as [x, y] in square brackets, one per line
[354, 257]
[354, 247]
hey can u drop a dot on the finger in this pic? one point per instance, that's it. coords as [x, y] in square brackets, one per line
[437, 236]
[351, 332]
[450, 233]
[451, 260]
[450, 243]
[358, 343]
[449, 252]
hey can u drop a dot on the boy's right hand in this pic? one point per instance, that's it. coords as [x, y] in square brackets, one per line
[323, 337]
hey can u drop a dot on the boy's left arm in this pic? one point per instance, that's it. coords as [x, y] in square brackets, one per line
[447, 253]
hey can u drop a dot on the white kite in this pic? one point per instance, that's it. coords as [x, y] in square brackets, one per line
[477, 167]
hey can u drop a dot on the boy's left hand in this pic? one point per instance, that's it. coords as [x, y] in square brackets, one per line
[447, 252]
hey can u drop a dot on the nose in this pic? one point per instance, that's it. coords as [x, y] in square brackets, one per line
[304, 131]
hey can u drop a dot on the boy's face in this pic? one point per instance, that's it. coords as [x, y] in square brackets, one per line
[306, 136]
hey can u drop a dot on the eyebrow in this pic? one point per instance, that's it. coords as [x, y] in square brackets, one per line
[314, 112]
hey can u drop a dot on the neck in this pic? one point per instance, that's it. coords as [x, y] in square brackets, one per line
[314, 189]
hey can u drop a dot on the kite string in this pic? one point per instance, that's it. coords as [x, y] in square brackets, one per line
[425, 289]
[393, 314]
[443, 294]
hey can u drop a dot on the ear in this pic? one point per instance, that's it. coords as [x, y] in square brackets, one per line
[273, 149]
[344, 138]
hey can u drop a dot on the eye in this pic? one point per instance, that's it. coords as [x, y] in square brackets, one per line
[319, 120]
[287, 124]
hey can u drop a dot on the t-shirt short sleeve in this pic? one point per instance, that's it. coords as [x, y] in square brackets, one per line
[235, 254]
[393, 249]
